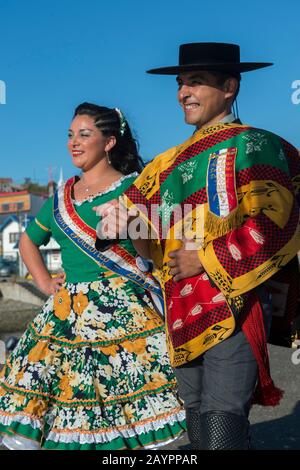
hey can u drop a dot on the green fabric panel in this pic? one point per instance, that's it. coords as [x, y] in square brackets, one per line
[250, 152]
[77, 265]
[21, 429]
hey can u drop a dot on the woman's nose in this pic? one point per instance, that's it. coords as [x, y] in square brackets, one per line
[74, 141]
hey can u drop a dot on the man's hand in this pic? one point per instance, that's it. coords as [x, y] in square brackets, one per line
[114, 220]
[185, 262]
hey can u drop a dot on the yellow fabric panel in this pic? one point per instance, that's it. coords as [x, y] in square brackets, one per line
[234, 287]
[201, 343]
[192, 224]
[268, 196]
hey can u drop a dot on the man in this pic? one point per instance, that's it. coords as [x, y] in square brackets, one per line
[241, 184]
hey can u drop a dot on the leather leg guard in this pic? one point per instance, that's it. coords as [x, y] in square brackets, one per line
[223, 430]
[193, 427]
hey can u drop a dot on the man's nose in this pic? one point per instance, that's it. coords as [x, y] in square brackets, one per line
[184, 92]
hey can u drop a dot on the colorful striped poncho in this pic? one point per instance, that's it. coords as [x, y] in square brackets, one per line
[234, 189]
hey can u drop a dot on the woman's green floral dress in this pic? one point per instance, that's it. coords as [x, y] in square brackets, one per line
[92, 369]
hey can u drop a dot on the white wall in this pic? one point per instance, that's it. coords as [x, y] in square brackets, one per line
[7, 247]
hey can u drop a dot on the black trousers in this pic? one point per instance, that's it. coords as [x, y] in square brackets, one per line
[224, 377]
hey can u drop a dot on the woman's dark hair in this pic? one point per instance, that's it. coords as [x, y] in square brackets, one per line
[124, 156]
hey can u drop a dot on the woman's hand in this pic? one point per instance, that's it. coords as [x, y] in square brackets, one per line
[50, 285]
[36, 266]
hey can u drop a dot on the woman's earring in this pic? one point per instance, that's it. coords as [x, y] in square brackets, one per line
[108, 159]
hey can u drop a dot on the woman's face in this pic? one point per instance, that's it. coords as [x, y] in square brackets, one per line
[86, 143]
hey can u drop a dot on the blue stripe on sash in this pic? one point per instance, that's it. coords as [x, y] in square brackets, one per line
[213, 200]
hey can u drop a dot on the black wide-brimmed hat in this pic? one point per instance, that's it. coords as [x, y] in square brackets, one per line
[214, 56]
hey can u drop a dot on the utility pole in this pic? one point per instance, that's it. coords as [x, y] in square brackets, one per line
[22, 267]
[20, 262]
[50, 181]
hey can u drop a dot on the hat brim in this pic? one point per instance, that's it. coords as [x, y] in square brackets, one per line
[225, 67]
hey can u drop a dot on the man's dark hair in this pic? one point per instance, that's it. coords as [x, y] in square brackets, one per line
[223, 76]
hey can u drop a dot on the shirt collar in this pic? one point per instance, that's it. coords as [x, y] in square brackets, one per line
[228, 119]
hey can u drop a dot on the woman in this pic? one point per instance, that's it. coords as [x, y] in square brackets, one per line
[92, 370]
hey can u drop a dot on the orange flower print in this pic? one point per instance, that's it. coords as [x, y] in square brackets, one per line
[36, 407]
[157, 380]
[80, 302]
[129, 412]
[137, 346]
[47, 330]
[38, 352]
[110, 350]
[62, 304]
[154, 319]
[66, 389]
[19, 376]
[18, 400]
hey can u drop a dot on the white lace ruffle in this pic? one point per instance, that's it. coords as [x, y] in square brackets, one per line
[112, 187]
[7, 420]
[104, 437]
[101, 437]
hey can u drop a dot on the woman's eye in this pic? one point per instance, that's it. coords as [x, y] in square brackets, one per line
[84, 134]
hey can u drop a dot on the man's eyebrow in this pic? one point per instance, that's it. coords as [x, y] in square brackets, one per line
[191, 77]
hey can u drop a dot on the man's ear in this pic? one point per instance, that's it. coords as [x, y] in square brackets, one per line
[230, 87]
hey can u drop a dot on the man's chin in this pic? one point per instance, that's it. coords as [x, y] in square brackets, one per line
[191, 120]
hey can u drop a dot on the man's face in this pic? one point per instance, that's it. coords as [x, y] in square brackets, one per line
[203, 100]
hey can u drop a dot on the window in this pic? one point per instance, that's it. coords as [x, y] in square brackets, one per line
[14, 237]
[20, 206]
[5, 207]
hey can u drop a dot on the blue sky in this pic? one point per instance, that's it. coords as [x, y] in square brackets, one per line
[56, 55]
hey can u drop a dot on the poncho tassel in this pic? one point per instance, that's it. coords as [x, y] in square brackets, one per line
[266, 393]
[219, 226]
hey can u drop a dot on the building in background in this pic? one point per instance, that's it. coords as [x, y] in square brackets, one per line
[20, 203]
[10, 232]
[5, 184]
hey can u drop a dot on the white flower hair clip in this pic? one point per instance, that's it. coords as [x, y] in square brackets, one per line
[122, 121]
